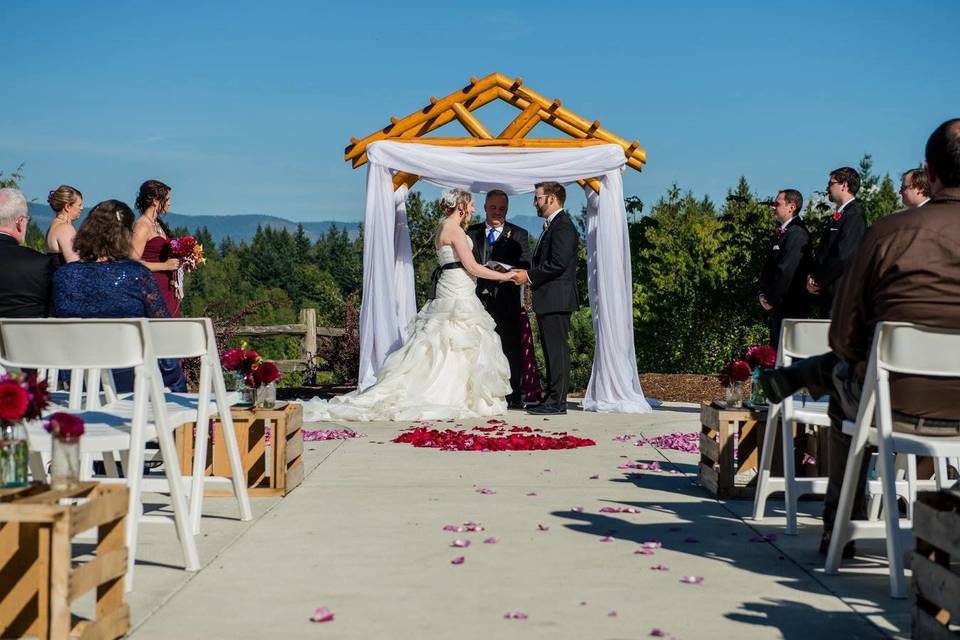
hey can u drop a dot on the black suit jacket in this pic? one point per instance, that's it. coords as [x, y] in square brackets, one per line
[783, 278]
[838, 244]
[513, 248]
[24, 280]
[554, 273]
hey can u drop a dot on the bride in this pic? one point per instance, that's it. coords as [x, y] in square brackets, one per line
[452, 365]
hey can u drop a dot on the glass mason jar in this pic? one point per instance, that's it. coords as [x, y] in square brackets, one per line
[65, 462]
[13, 455]
[266, 396]
[757, 397]
[733, 394]
[247, 394]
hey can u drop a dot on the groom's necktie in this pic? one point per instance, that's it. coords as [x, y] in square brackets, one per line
[491, 237]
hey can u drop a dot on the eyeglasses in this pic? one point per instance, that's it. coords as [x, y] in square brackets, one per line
[537, 196]
[830, 183]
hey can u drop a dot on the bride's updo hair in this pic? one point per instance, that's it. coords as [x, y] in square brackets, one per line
[453, 198]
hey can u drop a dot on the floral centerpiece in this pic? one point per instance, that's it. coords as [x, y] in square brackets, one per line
[65, 431]
[760, 357]
[22, 398]
[190, 254]
[256, 378]
[732, 377]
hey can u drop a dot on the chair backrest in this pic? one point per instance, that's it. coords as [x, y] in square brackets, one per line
[180, 337]
[38, 343]
[913, 349]
[804, 338]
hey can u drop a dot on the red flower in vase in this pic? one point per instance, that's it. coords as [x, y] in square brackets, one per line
[232, 358]
[734, 371]
[14, 401]
[763, 356]
[64, 425]
[266, 373]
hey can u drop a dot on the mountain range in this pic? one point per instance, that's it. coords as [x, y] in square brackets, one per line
[243, 226]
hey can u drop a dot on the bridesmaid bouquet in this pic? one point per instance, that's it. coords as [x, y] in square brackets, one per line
[190, 253]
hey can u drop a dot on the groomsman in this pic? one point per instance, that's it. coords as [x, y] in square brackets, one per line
[554, 281]
[915, 188]
[501, 241]
[782, 285]
[841, 237]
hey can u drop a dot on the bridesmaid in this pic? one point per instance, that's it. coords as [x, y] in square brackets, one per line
[67, 203]
[151, 241]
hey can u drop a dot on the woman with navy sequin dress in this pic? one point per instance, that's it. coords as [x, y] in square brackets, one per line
[106, 283]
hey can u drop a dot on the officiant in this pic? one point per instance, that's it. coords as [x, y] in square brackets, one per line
[496, 240]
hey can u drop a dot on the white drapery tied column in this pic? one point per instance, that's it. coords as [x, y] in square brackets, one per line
[389, 307]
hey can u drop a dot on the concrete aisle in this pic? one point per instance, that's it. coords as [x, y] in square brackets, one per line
[364, 536]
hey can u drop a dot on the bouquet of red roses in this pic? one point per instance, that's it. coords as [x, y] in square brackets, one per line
[256, 371]
[22, 397]
[190, 254]
[763, 356]
[734, 371]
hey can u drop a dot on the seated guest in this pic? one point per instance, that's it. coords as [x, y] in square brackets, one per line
[67, 203]
[24, 273]
[906, 270]
[106, 283]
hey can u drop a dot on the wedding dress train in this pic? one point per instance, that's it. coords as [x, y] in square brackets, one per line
[451, 367]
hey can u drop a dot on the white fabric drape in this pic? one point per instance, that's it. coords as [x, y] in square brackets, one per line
[388, 284]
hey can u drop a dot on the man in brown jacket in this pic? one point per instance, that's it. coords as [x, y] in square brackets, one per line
[906, 270]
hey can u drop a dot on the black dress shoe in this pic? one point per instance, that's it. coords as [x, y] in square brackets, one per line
[849, 549]
[547, 410]
[515, 404]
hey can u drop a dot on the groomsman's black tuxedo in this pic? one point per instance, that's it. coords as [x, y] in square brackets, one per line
[553, 279]
[502, 299]
[838, 244]
[783, 281]
[25, 277]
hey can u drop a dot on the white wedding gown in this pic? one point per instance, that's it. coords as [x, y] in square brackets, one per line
[451, 367]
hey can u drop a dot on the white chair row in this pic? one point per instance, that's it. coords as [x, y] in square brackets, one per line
[125, 424]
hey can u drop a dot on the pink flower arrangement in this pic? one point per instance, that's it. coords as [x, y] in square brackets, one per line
[22, 397]
[256, 371]
[735, 371]
[188, 251]
[763, 356]
[64, 425]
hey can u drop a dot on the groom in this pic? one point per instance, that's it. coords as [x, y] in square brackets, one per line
[554, 282]
[501, 241]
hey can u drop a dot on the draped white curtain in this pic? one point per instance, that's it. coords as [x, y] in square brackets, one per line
[388, 284]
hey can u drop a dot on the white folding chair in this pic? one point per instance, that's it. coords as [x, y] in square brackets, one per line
[108, 344]
[906, 349]
[798, 339]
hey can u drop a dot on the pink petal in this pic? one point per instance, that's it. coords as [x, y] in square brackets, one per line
[491, 541]
[660, 567]
[532, 493]
[692, 579]
[486, 491]
[322, 614]
[460, 543]
[577, 509]
[652, 544]
[644, 552]
[612, 614]
[606, 539]
[658, 633]
[458, 560]
[595, 476]
[517, 615]
[543, 527]
[452, 527]
[610, 509]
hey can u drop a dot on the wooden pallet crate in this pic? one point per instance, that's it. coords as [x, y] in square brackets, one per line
[936, 565]
[730, 445]
[273, 464]
[38, 579]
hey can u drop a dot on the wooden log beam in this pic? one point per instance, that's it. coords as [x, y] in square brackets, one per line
[523, 123]
[403, 178]
[431, 111]
[470, 122]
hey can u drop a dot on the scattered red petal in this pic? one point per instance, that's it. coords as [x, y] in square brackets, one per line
[658, 633]
[692, 579]
[577, 509]
[595, 477]
[612, 614]
[460, 543]
[322, 614]
[491, 541]
[606, 539]
[520, 439]
[543, 527]
[458, 560]
[660, 567]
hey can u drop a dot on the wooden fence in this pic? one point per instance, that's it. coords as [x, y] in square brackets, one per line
[308, 330]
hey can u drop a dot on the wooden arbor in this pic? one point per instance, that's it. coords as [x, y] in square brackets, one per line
[460, 106]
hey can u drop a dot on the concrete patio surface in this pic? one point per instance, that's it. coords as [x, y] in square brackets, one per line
[363, 535]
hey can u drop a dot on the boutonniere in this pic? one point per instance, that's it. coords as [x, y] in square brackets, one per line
[508, 233]
[836, 215]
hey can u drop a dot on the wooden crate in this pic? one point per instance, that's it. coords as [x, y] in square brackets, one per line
[38, 580]
[936, 565]
[722, 472]
[273, 469]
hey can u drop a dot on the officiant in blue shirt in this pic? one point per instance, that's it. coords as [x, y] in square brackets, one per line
[497, 240]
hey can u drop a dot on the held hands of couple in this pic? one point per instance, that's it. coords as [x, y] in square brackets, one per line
[519, 276]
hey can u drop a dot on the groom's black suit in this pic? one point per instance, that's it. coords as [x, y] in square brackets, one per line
[502, 299]
[553, 279]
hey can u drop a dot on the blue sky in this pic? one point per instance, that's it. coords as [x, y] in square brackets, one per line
[245, 107]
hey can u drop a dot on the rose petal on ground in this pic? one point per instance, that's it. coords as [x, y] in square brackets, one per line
[451, 527]
[644, 552]
[595, 476]
[532, 493]
[516, 615]
[652, 544]
[577, 509]
[660, 567]
[491, 541]
[606, 539]
[322, 614]
[610, 509]
[692, 579]
[460, 543]
[458, 560]
[630, 510]
[485, 491]
[658, 633]
[543, 527]
[612, 614]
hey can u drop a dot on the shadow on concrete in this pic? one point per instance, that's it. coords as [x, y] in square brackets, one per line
[800, 621]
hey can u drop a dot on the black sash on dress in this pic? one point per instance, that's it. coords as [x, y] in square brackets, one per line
[435, 277]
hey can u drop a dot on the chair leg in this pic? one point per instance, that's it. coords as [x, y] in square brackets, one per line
[110, 464]
[37, 469]
[200, 448]
[233, 449]
[766, 461]
[911, 497]
[892, 518]
[790, 496]
[133, 469]
[941, 474]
